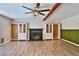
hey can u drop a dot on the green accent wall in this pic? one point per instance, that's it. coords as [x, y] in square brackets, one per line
[71, 35]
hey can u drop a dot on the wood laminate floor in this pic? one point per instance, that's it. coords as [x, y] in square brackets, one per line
[39, 48]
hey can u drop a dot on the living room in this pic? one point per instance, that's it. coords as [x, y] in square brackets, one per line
[34, 27]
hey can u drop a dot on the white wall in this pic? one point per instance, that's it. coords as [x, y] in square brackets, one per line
[71, 23]
[37, 22]
[34, 22]
[5, 28]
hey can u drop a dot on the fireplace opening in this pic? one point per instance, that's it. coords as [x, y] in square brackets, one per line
[35, 34]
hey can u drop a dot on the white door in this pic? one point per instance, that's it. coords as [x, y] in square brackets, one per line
[21, 31]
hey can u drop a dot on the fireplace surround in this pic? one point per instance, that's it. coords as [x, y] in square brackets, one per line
[35, 34]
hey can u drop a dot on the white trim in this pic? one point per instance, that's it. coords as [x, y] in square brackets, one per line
[28, 35]
[59, 33]
[4, 43]
[52, 31]
[18, 31]
[70, 42]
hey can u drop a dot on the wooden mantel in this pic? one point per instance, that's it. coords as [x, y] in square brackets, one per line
[52, 10]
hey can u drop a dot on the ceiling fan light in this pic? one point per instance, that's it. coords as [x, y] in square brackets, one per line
[36, 13]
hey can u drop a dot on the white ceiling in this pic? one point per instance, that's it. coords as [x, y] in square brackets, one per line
[64, 11]
[16, 11]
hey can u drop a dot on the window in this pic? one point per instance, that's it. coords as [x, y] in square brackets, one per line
[24, 28]
[48, 28]
[20, 28]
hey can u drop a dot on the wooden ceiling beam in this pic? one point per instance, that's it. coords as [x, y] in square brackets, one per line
[52, 10]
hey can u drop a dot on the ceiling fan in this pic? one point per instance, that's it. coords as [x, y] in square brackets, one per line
[36, 11]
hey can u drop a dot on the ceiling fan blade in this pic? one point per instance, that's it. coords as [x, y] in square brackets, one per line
[28, 12]
[27, 8]
[42, 14]
[44, 10]
[37, 5]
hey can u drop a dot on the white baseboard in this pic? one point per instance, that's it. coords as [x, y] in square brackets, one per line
[4, 43]
[70, 42]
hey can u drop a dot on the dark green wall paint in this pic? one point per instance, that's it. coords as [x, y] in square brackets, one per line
[71, 35]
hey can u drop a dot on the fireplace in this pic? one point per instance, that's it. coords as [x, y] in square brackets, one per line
[35, 34]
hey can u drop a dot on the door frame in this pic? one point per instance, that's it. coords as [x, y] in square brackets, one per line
[22, 31]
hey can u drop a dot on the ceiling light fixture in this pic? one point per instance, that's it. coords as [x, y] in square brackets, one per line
[36, 11]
